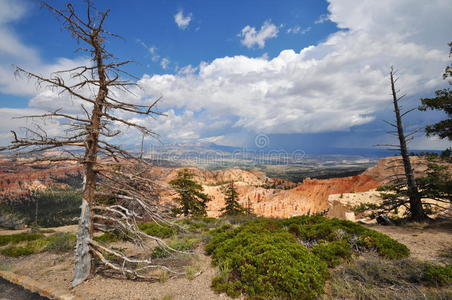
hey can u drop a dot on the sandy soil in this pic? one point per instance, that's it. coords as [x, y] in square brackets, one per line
[424, 241]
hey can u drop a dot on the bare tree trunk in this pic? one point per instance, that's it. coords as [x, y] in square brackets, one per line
[416, 209]
[123, 177]
[83, 258]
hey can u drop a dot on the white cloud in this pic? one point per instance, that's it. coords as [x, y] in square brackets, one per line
[181, 20]
[154, 56]
[322, 19]
[11, 46]
[330, 86]
[187, 70]
[337, 84]
[298, 30]
[164, 63]
[151, 49]
[10, 121]
[23, 86]
[251, 37]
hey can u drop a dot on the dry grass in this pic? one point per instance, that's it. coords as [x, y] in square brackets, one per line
[375, 278]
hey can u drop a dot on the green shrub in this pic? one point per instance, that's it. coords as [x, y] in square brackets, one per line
[107, 237]
[313, 229]
[199, 224]
[333, 253]
[60, 242]
[160, 252]
[184, 244]
[262, 260]
[439, 275]
[384, 245]
[19, 237]
[17, 251]
[36, 243]
[157, 230]
[265, 258]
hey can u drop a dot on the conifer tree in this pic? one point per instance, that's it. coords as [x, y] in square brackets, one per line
[441, 102]
[232, 207]
[191, 197]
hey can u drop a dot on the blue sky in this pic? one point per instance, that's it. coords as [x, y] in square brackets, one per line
[308, 74]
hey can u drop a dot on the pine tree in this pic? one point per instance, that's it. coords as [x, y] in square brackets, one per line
[442, 102]
[191, 197]
[232, 207]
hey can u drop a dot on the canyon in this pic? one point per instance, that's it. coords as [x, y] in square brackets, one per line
[271, 197]
[263, 195]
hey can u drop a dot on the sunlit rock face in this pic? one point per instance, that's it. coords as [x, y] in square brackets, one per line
[265, 196]
[271, 197]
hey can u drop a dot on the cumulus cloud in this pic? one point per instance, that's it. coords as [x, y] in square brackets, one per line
[11, 46]
[252, 37]
[10, 121]
[181, 20]
[334, 85]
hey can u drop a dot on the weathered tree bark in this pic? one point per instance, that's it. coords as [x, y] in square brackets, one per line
[416, 210]
[84, 265]
[83, 258]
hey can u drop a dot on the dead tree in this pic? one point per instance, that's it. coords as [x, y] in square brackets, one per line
[109, 171]
[414, 202]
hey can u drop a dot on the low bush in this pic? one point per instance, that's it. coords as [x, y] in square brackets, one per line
[19, 237]
[383, 244]
[333, 253]
[314, 229]
[185, 244]
[157, 230]
[107, 237]
[60, 242]
[199, 224]
[288, 258]
[17, 251]
[261, 260]
[160, 252]
[438, 275]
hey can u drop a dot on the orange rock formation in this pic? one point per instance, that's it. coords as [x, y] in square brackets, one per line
[270, 197]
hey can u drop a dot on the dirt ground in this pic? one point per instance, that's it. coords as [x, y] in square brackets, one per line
[424, 241]
[56, 270]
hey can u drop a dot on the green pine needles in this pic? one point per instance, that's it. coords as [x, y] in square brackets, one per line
[192, 199]
[232, 206]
